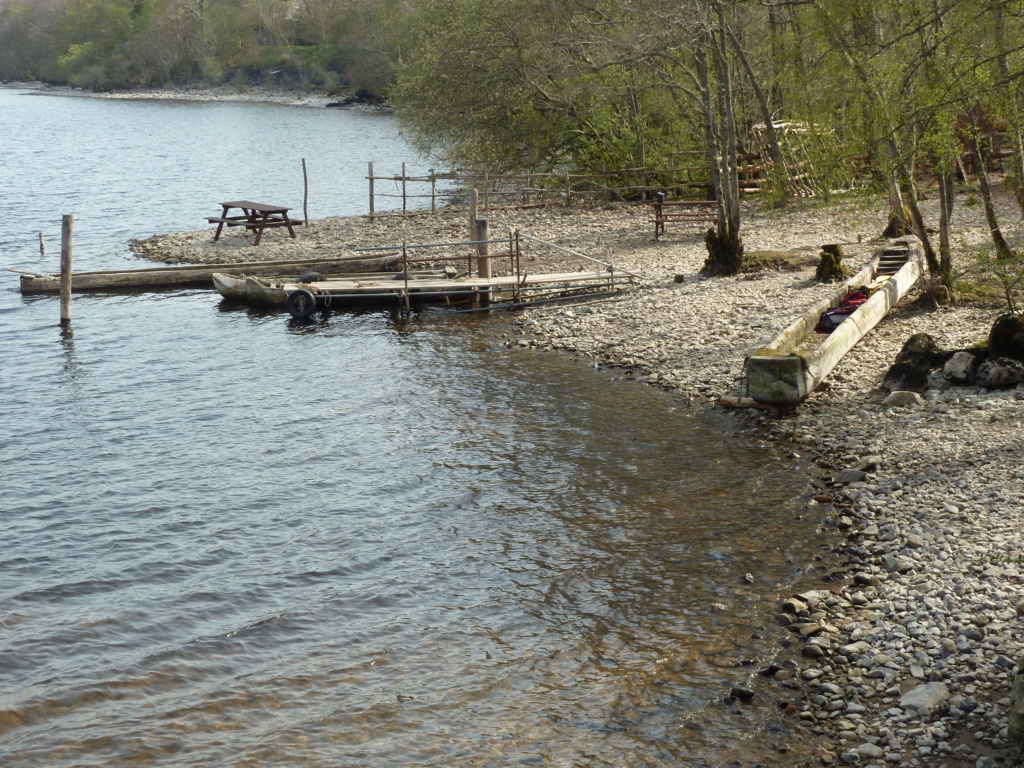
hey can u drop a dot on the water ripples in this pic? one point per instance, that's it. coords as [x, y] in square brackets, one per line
[231, 539]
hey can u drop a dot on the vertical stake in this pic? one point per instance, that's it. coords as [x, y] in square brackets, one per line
[472, 197]
[483, 248]
[305, 194]
[370, 177]
[433, 191]
[483, 257]
[42, 249]
[403, 190]
[66, 230]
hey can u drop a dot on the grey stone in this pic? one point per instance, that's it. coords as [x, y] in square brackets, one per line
[868, 463]
[848, 476]
[870, 750]
[961, 367]
[903, 398]
[855, 649]
[794, 606]
[925, 698]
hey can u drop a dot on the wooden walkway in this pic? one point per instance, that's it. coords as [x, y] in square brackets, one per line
[306, 298]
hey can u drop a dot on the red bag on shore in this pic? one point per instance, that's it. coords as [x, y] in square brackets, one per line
[831, 318]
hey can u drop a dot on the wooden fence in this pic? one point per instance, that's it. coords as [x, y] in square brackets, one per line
[529, 189]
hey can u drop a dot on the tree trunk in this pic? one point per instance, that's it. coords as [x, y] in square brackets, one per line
[774, 152]
[1017, 159]
[946, 196]
[725, 247]
[1002, 247]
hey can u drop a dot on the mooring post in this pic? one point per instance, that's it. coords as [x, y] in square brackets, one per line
[483, 248]
[66, 229]
[403, 190]
[42, 248]
[483, 256]
[433, 191]
[472, 198]
[370, 177]
[305, 195]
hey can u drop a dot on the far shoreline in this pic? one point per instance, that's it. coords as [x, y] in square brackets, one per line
[314, 98]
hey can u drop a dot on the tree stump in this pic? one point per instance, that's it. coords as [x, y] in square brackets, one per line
[831, 268]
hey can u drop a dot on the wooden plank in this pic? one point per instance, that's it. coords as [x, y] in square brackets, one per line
[197, 275]
[338, 287]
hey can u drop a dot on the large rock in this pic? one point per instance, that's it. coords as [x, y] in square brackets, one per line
[1006, 339]
[906, 377]
[925, 698]
[999, 372]
[922, 351]
[961, 367]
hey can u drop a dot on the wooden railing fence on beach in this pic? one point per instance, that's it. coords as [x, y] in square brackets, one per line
[532, 189]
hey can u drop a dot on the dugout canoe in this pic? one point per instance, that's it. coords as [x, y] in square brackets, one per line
[785, 372]
[201, 275]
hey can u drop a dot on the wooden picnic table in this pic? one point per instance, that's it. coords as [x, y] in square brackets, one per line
[255, 217]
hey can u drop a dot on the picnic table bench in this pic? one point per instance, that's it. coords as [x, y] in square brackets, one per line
[683, 210]
[255, 217]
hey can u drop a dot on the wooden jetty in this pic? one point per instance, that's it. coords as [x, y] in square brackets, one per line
[201, 275]
[303, 299]
[785, 372]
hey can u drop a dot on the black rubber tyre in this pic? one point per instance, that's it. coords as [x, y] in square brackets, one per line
[301, 303]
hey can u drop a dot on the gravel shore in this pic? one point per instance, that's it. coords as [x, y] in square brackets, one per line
[907, 655]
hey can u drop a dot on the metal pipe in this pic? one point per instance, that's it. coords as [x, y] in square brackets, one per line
[604, 264]
[520, 305]
[429, 245]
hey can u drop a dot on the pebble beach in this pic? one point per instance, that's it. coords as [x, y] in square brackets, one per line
[905, 654]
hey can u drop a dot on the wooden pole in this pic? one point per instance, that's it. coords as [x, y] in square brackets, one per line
[42, 248]
[66, 230]
[403, 189]
[487, 192]
[483, 248]
[305, 194]
[472, 196]
[370, 177]
[433, 191]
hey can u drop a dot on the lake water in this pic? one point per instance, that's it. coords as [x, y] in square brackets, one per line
[231, 539]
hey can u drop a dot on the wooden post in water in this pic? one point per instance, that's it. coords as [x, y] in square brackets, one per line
[483, 248]
[403, 190]
[370, 177]
[66, 229]
[433, 191]
[42, 249]
[305, 194]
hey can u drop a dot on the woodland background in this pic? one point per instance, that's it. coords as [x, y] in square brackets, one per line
[817, 96]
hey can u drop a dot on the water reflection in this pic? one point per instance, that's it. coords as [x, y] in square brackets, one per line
[432, 552]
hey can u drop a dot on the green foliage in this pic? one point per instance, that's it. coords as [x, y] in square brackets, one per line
[1006, 272]
[121, 43]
